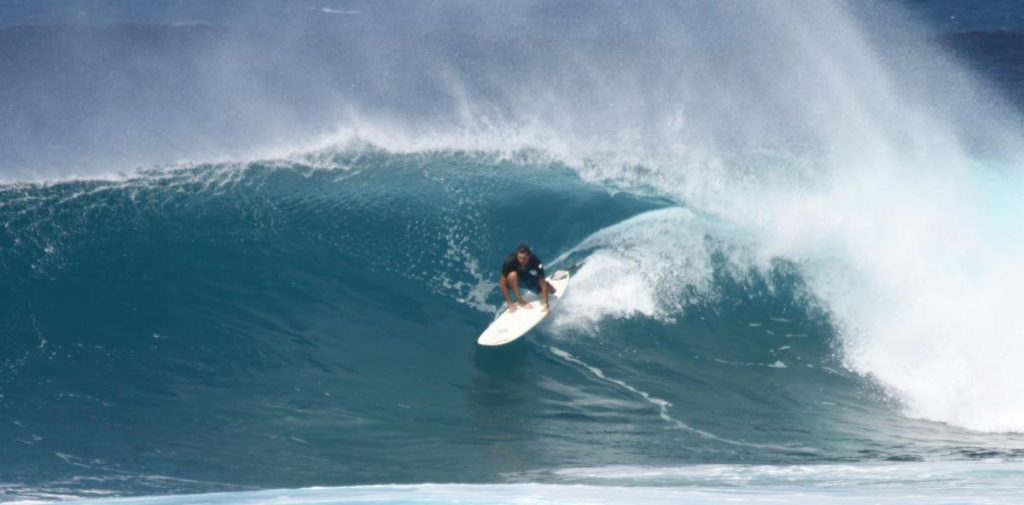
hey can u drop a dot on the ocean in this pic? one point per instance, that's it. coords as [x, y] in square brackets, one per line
[246, 250]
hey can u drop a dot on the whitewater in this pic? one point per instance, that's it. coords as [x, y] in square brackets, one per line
[246, 253]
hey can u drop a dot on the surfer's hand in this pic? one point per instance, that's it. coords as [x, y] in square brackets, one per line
[524, 305]
[512, 307]
[547, 309]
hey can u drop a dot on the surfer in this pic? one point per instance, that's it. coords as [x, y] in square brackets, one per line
[523, 268]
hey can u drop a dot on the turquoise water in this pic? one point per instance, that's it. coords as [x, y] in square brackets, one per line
[256, 326]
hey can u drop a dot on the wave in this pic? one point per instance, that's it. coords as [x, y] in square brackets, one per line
[284, 308]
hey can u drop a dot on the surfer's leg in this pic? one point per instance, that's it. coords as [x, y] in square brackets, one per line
[513, 282]
[551, 289]
[545, 290]
[513, 279]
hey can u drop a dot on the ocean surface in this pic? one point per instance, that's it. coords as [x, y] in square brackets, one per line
[246, 250]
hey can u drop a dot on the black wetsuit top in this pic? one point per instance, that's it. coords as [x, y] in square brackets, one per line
[533, 267]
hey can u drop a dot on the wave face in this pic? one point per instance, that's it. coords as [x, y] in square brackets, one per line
[794, 227]
[287, 324]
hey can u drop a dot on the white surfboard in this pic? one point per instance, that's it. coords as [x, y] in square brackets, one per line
[509, 326]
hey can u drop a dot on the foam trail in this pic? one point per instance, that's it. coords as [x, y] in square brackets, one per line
[662, 405]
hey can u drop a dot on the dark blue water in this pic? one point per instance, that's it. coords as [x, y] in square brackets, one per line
[758, 287]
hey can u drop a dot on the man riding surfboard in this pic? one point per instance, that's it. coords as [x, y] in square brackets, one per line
[523, 268]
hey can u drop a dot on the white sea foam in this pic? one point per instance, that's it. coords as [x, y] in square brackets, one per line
[902, 484]
[901, 209]
[919, 268]
[651, 265]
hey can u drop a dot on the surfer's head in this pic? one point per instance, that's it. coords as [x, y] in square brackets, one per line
[523, 253]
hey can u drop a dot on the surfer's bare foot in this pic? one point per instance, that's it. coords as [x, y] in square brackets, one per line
[546, 309]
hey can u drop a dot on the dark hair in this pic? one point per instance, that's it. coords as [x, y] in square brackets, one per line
[523, 248]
